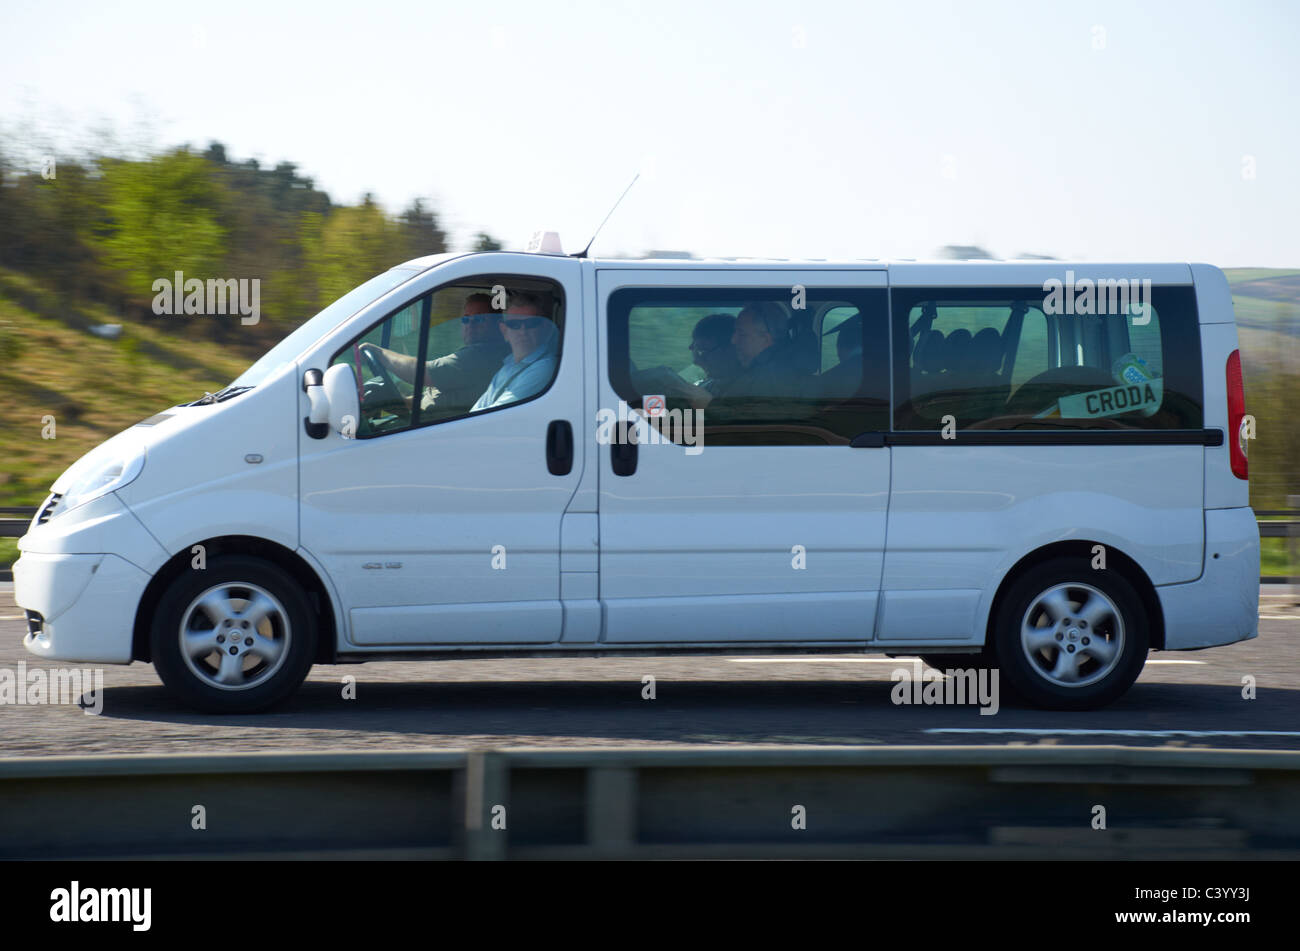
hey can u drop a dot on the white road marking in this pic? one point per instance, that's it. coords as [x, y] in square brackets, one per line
[12, 617]
[882, 660]
[1038, 732]
[879, 660]
[816, 660]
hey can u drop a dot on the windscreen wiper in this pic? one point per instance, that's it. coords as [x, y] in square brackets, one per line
[219, 396]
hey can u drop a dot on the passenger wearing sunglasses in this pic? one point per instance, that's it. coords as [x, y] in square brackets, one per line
[711, 350]
[534, 343]
[770, 383]
[454, 381]
[714, 353]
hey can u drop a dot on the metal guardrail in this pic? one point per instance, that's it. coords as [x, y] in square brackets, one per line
[730, 802]
[1279, 529]
[15, 527]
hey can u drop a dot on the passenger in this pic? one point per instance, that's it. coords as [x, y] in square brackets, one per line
[762, 373]
[530, 365]
[760, 339]
[844, 379]
[714, 352]
[458, 378]
[454, 381]
[768, 386]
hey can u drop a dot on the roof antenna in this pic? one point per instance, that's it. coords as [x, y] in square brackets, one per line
[583, 252]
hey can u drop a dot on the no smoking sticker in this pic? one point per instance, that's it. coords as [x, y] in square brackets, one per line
[654, 406]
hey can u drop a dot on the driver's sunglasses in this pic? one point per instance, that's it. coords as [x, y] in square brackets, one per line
[527, 323]
[476, 318]
[697, 348]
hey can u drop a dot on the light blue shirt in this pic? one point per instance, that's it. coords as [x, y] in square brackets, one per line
[518, 381]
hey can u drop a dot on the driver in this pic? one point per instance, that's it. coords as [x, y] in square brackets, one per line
[530, 365]
[454, 380]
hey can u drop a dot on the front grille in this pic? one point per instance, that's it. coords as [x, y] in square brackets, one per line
[35, 623]
[48, 508]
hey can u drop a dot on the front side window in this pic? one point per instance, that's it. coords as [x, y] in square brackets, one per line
[467, 348]
[288, 349]
[762, 366]
[1013, 359]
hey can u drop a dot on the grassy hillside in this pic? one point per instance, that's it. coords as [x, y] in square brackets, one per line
[1267, 304]
[1241, 275]
[51, 365]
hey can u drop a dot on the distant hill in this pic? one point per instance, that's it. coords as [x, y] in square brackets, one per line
[1267, 304]
[51, 364]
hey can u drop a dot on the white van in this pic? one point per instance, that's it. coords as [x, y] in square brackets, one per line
[1033, 465]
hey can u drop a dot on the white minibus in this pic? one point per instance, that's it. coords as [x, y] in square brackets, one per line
[1034, 466]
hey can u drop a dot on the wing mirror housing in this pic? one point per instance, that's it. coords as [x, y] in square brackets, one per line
[334, 402]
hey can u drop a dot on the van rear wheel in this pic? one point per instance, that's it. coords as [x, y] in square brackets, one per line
[1070, 637]
[235, 637]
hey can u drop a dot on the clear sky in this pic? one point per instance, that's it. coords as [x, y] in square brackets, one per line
[1088, 130]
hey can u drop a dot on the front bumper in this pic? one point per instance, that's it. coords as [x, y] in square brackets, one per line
[86, 605]
[1222, 606]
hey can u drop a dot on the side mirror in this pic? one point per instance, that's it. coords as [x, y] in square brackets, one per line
[317, 420]
[344, 407]
[334, 402]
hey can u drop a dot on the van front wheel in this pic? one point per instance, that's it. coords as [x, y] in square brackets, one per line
[1070, 637]
[235, 637]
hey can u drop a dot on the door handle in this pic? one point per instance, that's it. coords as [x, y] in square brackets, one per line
[559, 447]
[623, 451]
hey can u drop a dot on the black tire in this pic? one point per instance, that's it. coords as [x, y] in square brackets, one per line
[257, 678]
[1041, 676]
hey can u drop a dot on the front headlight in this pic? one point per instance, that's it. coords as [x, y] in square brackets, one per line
[100, 475]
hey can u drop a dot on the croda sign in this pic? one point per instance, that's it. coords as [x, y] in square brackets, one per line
[1142, 398]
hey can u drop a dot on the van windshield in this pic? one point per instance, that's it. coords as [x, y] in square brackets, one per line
[354, 300]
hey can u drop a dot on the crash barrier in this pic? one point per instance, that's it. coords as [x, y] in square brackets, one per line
[986, 802]
[15, 520]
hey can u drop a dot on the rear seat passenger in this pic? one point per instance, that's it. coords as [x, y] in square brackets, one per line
[927, 363]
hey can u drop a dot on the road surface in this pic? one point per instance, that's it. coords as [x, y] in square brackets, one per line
[1189, 699]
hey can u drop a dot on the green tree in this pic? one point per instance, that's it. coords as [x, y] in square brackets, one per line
[159, 217]
[263, 220]
[419, 233]
[354, 244]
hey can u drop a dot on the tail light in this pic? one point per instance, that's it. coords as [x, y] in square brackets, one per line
[1236, 412]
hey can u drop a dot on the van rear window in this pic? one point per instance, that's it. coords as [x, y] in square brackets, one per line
[1022, 358]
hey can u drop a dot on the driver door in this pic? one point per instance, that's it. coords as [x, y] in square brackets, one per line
[439, 524]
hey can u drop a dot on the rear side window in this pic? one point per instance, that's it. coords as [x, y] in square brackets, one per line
[1020, 359]
[764, 367]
